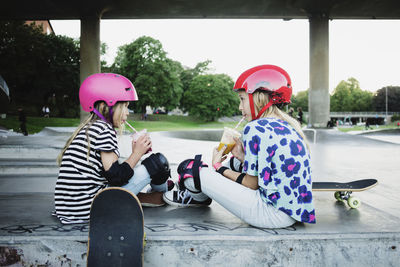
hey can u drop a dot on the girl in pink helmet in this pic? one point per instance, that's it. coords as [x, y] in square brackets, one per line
[267, 182]
[89, 160]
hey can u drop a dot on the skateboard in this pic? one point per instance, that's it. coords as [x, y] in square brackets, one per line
[343, 191]
[116, 234]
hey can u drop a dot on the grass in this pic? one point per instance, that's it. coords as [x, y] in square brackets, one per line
[36, 124]
[155, 123]
[176, 123]
[153, 126]
[372, 127]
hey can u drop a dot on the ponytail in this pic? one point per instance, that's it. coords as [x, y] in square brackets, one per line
[261, 98]
[105, 111]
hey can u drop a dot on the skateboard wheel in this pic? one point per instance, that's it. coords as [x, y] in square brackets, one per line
[337, 196]
[353, 202]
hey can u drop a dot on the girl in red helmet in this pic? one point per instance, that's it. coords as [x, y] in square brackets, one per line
[89, 160]
[267, 182]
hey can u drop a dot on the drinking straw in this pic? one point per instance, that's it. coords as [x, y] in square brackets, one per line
[237, 125]
[131, 127]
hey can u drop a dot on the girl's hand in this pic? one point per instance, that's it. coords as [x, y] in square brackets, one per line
[141, 145]
[217, 155]
[238, 150]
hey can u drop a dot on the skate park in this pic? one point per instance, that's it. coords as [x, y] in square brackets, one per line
[30, 236]
[211, 236]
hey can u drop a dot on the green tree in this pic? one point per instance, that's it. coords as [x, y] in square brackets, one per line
[300, 100]
[156, 77]
[103, 63]
[348, 96]
[210, 97]
[393, 99]
[174, 83]
[188, 74]
[37, 66]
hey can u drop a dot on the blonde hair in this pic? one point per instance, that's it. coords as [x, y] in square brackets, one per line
[261, 98]
[105, 111]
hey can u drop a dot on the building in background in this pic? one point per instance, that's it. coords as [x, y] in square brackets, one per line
[46, 25]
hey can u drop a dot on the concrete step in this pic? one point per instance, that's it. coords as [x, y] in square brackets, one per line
[11, 184]
[29, 152]
[29, 166]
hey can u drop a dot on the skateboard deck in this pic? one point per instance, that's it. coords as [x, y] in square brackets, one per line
[343, 191]
[355, 186]
[116, 233]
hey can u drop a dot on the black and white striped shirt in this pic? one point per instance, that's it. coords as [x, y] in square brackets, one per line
[80, 178]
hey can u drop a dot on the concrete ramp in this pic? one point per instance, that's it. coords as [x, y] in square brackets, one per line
[368, 236]
[210, 236]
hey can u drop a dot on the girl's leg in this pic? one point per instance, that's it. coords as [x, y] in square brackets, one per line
[242, 201]
[140, 179]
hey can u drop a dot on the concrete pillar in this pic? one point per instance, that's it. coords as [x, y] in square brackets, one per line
[318, 97]
[90, 49]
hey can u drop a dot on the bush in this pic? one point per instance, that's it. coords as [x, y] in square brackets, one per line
[396, 117]
[210, 97]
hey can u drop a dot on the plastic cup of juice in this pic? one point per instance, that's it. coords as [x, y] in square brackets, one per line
[228, 139]
[136, 136]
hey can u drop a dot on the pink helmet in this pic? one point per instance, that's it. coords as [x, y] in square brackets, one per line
[108, 87]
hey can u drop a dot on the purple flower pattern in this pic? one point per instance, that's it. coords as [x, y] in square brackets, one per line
[275, 153]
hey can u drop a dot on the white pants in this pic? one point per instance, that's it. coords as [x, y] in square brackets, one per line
[140, 179]
[241, 201]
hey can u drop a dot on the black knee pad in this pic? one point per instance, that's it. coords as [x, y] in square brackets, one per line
[190, 168]
[158, 167]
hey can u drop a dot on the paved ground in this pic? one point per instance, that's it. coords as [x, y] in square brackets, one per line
[367, 236]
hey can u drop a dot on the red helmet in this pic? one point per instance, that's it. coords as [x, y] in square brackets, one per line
[270, 78]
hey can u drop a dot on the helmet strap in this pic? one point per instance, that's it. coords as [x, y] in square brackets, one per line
[99, 114]
[253, 113]
[251, 102]
[264, 109]
[111, 115]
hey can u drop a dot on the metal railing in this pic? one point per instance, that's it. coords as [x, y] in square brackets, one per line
[369, 113]
[364, 114]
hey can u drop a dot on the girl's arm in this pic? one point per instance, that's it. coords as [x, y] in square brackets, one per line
[249, 181]
[108, 158]
[238, 150]
[139, 148]
[119, 174]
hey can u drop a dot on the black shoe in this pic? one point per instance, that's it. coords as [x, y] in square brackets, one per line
[183, 198]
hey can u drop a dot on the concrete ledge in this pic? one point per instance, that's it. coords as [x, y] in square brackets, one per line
[270, 250]
[276, 251]
[209, 236]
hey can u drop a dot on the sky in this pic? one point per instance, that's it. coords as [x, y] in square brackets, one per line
[368, 50]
